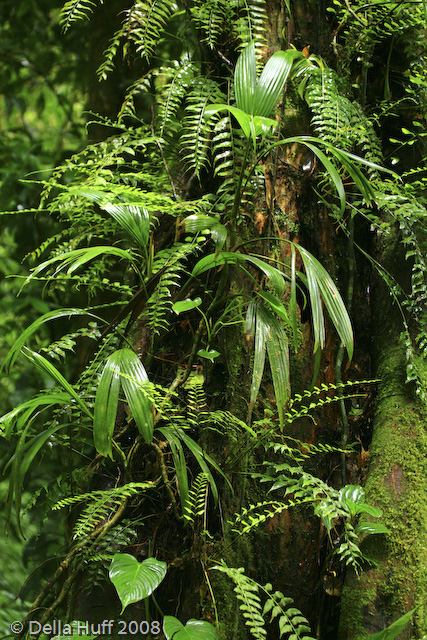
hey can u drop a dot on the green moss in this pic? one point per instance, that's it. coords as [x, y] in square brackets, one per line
[396, 483]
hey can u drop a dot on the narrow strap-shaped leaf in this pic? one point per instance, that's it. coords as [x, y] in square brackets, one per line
[331, 298]
[47, 317]
[105, 409]
[215, 260]
[293, 300]
[134, 382]
[77, 258]
[258, 329]
[47, 367]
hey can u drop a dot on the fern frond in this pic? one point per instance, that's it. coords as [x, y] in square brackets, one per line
[256, 514]
[102, 504]
[250, 24]
[195, 140]
[246, 591]
[142, 27]
[174, 82]
[336, 118]
[74, 10]
[196, 500]
[292, 624]
[142, 85]
[210, 16]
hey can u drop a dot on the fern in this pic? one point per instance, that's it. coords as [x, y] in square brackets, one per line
[174, 83]
[250, 23]
[142, 26]
[196, 500]
[102, 505]
[196, 137]
[292, 624]
[74, 10]
[337, 119]
[210, 17]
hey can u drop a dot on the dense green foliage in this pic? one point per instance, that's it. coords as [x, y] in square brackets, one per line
[168, 323]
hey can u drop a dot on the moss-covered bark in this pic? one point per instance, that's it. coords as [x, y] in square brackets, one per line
[396, 483]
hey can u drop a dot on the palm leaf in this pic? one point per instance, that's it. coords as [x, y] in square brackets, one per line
[270, 336]
[47, 317]
[126, 209]
[211, 261]
[47, 367]
[122, 366]
[72, 260]
[321, 284]
[21, 461]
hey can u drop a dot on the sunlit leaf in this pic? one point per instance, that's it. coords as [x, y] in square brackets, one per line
[186, 305]
[131, 215]
[193, 630]
[135, 580]
[394, 629]
[208, 355]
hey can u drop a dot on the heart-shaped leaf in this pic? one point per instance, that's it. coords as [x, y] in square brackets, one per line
[193, 630]
[135, 580]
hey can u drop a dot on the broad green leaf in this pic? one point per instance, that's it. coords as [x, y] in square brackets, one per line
[271, 83]
[370, 528]
[245, 79]
[186, 305]
[242, 118]
[394, 629]
[208, 355]
[47, 317]
[105, 409]
[199, 222]
[271, 337]
[135, 580]
[193, 630]
[353, 492]
[211, 261]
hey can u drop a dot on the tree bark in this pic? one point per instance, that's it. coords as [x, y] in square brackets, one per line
[396, 582]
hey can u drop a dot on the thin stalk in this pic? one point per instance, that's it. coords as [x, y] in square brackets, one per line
[238, 194]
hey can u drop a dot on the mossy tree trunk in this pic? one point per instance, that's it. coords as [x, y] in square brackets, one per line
[397, 581]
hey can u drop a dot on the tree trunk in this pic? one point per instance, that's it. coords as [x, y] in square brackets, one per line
[396, 582]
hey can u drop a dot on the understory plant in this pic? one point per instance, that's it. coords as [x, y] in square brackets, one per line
[160, 438]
